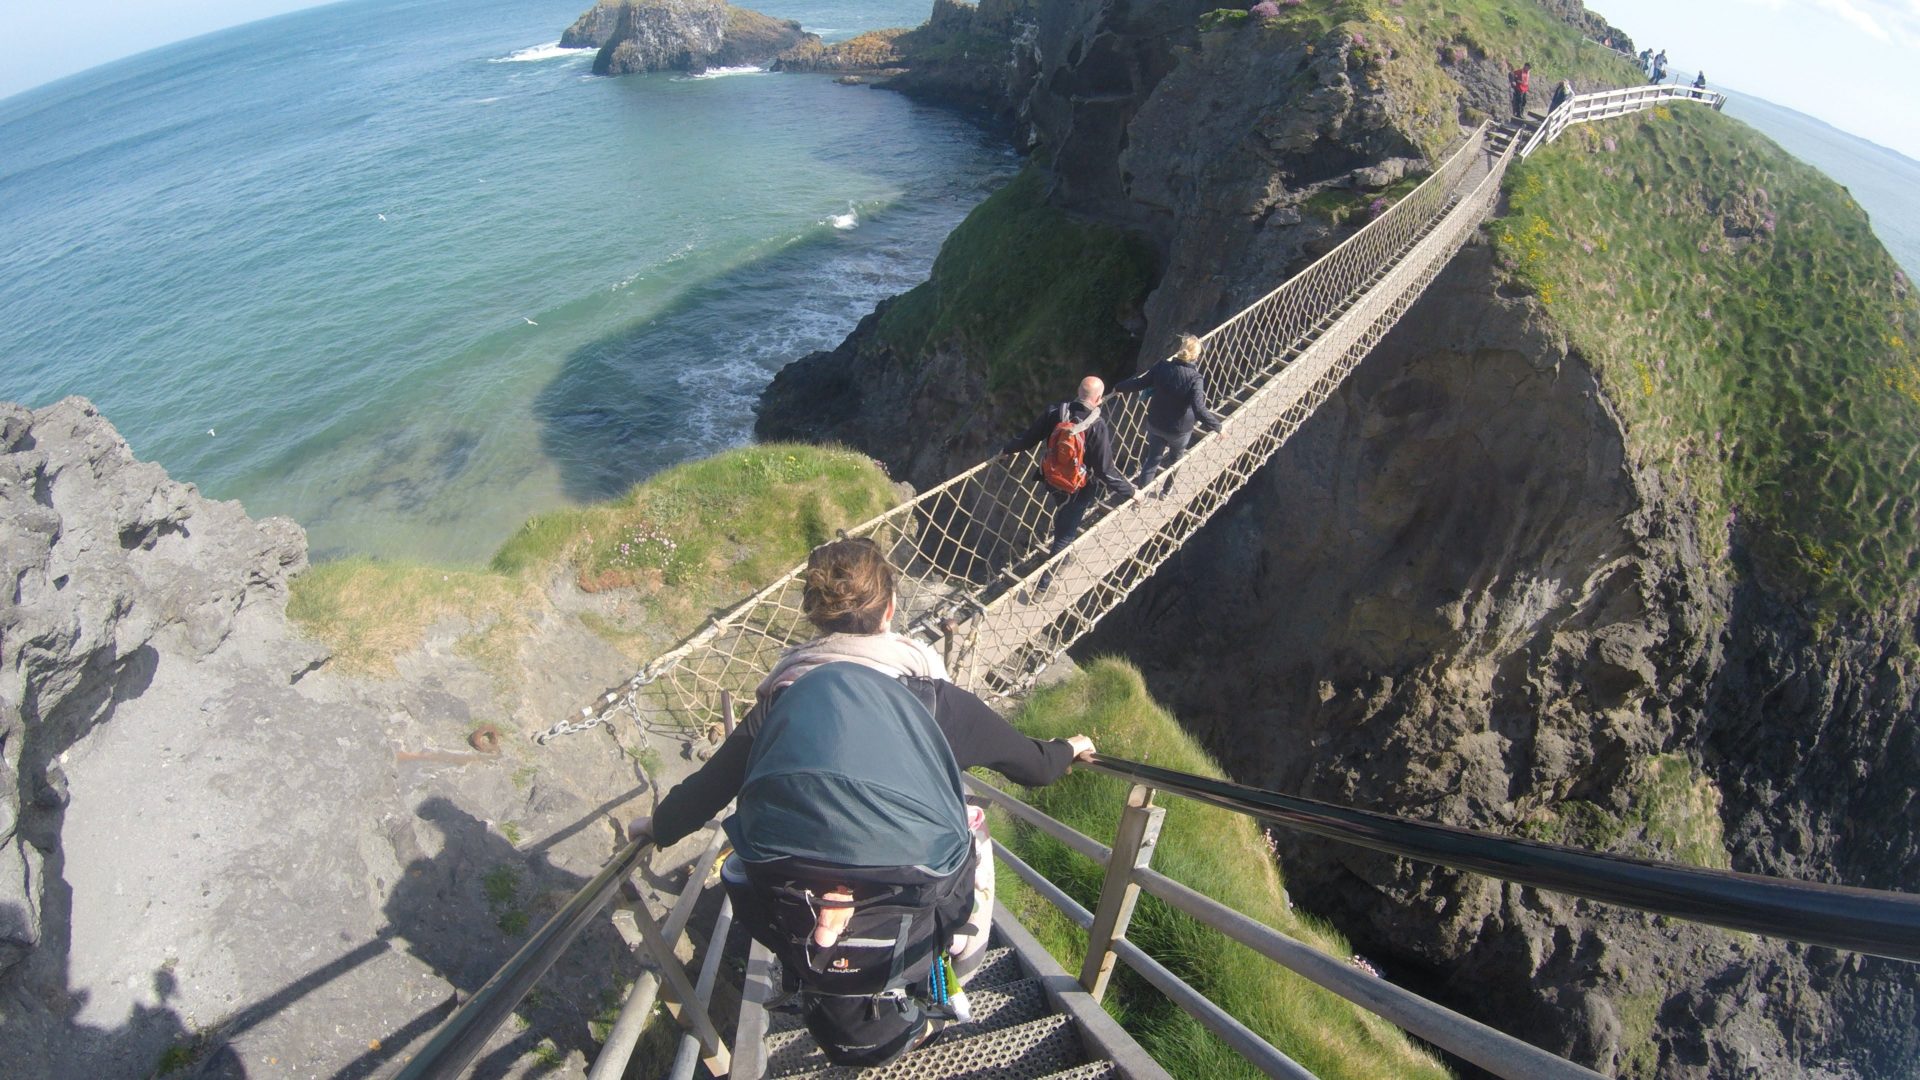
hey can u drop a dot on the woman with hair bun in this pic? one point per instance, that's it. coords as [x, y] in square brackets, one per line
[849, 596]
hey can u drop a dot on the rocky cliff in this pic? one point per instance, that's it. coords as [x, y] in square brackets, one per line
[1464, 590]
[219, 858]
[679, 35]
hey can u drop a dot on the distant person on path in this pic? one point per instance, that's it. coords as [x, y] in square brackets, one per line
[1646, 61]
[1660, 67]
[1176, 400]
[1518, 78]
[1700, 81]
[1079, 453]
[1560, 95]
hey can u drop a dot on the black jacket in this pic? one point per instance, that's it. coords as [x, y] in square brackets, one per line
[977, 734]
[1178, 397]
[1099, 456]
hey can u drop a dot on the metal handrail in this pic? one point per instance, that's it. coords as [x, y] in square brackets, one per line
[1872, 921]
[461, 1039]
[1462, 1036]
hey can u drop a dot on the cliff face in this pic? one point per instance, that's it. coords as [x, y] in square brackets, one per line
[101, 587]
[1455, 594]
[215, 854]
[1452, 595]
[679, 35]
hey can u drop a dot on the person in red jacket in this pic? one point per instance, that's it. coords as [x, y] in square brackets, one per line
[1518, 79]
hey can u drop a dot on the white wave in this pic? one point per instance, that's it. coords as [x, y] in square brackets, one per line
[550, 51]
[847, 221]
[724, 72]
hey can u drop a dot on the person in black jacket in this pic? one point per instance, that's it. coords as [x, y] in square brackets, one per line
[1071, 508]
[848, 595]
[1176, 400]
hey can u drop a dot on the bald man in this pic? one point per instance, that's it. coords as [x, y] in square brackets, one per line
[1083, 412]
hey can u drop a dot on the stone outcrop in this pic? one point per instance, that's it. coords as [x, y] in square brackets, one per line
[680, 35]
[1452, 595]
[219, 858]
[110, 565]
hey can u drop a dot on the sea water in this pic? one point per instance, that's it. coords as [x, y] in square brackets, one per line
[406, 271]
[1884, 182]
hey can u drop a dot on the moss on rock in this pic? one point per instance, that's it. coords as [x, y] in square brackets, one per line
[1035, 296]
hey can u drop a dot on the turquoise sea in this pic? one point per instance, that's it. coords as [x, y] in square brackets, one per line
[406, 272]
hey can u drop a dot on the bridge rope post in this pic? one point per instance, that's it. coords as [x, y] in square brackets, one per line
[1133, 845]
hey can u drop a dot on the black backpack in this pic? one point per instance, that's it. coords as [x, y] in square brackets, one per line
[851, 783]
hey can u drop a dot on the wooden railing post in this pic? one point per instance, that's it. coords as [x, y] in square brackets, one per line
[683, 1001]
[1132, 850]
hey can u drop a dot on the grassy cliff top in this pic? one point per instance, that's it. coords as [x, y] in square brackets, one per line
[692, 539]
[1039, 297]
[1453, 31]
[1219, 853]
[1758, 342]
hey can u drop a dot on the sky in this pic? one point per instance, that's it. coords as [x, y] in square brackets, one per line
[1852, 63]
[43, 40]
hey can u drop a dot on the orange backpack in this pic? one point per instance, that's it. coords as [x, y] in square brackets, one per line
[1065, 464]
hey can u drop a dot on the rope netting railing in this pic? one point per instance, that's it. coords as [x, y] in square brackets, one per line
[969, 550]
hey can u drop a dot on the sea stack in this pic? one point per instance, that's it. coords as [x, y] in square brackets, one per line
[679, 35]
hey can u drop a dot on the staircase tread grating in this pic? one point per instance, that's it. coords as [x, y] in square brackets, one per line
[1030, 1051]
[1092, 1070]
[994, 1009]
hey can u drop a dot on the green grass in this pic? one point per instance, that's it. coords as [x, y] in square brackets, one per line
[1034, 296]
[178, 1056]
[500, 885]
[1759, 344]
[1672, 814]
[1505, 32]
[1638, 1015]
[1408, 54]
[681, 543]
[370, 611]
[1219, 853]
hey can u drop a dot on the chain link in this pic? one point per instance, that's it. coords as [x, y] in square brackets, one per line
[603, 710]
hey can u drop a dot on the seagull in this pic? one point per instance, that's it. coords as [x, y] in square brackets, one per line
[530, 322]
[209, 431]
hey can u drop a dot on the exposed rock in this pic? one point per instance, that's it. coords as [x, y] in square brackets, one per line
[680, 35]
[212, 848]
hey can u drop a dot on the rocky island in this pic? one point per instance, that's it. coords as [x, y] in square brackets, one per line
[680, 35]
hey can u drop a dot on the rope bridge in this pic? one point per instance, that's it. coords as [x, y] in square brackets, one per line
[970, 550]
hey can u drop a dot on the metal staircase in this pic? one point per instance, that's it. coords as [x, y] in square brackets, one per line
[1031, 1021]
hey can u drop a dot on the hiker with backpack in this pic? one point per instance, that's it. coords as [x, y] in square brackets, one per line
[856, 859]
[1518, 79]
[1176, 393]
[1079, 451]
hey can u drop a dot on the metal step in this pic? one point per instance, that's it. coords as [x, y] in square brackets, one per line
[999, 966]
[1092, 1070]
[1030, 1051]
[994, 1009]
